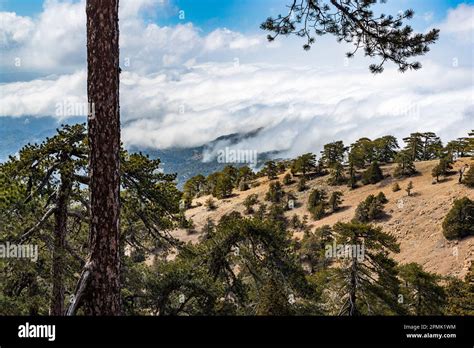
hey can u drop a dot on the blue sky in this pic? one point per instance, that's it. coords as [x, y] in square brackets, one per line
[244, 15]
[188, 82]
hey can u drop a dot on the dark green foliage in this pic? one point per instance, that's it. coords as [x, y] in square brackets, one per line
[317, 203]
[468, 179]
[442, 168]
[385, 148]
[337, 176]
[423, 146]
[335, 201]
[370, 209]
[333, 154]
[249, 202]
[275, 192]
[460, 295]
[302, 185]
[287, 179]
[271, 170]
[421, 291]
[304, 164]
[220, 185]
[459, 222]
[194, 187]
[312, 248]
[369, 284]
[373, 174]
[405, 165]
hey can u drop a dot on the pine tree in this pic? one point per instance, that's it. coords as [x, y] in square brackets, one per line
[459, 222]
[271, 170]
[366, 277]
[373, 174]
[421, 291]
[468, 179]
[275, 192]
[333, 154]
[405, 165]
[317, 202]
[335, 200]
[370, 209]
[304, 164]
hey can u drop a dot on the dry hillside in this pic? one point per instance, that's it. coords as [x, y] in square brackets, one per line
[415, 220]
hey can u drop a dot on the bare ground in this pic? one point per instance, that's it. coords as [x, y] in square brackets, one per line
[415, 220]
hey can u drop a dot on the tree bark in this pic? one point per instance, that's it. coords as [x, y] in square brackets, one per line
[103, 289]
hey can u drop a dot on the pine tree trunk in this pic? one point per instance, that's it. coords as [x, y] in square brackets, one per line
[353, 288]
[103, 290]
[60, 216]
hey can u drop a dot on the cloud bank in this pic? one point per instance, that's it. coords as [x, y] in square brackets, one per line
[181, 87]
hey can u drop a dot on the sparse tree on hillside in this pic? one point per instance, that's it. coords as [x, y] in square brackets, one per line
[370, 209]
[405, 165]
[249, 202]
[333, 154]
[459, 222]
[317, 203]
[271, 170]
[373, 174]
[442, 168]
[337, 176]
[275, 192]
[468, 179]
[335, 200]
[304, 164]
[385, 148]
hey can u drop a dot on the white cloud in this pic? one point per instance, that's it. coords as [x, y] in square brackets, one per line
[14, 29]
[460, 19]
[186, 88]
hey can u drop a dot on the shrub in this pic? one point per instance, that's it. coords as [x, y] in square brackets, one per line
[335, 200]
[317, 203]
[370, 209]
[302, 185]
[249, 202]
[382, 198]
[373, 174]
[409, 188]
[469, 177]
[287, 179]
[396, 187]
[275, 192]
[459, 222]
[210, 204]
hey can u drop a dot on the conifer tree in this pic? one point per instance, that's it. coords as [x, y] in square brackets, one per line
[367, 280]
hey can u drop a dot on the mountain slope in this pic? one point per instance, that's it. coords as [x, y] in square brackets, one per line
[415, 220]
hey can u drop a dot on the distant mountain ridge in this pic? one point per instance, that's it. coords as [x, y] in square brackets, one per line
[16, 132]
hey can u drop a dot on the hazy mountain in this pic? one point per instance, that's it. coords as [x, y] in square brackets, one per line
[15, 132]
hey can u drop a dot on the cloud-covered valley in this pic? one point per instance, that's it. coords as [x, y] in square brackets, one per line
[181, 87]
